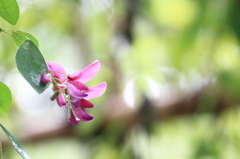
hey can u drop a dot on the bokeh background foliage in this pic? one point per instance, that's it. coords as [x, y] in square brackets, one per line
[172, 68]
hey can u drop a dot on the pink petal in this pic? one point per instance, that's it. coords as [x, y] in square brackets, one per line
[75, 92]
[75, 102]
[82, 114]
[61, 101]
[87, 73]
[53, 66]
[96, 91]
[44, 78]
[86, 104]
[72, 119]
[78, 85]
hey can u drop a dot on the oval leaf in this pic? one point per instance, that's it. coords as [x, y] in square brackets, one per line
[20, 36]
[30, 64]
[5, 98]
[9, 11]
[15, 143]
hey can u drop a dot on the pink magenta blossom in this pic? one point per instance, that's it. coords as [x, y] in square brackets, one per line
[70, 89]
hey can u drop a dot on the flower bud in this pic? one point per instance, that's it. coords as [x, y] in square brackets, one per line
[44, 78]
[61, 100]
[55, 95]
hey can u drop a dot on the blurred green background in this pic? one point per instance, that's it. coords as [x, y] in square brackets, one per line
[172, 69]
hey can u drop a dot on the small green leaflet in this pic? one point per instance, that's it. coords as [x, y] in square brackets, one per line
[30, 64]
[9, 11]
[5, 98]
[15, 143]
[20, 36]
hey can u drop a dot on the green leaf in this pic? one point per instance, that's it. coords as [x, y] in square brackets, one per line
[15, 143]
[5, 98]
[20, 36]
[9, 11]
[30, 64]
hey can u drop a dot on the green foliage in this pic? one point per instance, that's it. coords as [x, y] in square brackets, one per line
[20, 36]
[5, 98]
[31, 63]
[9, 11]
[189, 137]
[15, 143]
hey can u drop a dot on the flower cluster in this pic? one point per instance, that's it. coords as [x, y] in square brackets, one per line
[70, 89]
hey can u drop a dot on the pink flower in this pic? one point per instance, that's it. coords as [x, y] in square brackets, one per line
[71, 91]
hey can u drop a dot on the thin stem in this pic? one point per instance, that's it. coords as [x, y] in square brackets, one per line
[21, 35]
[4, 31]
[11, 34]
[59, 73]
[7, 32]
[56, 79]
